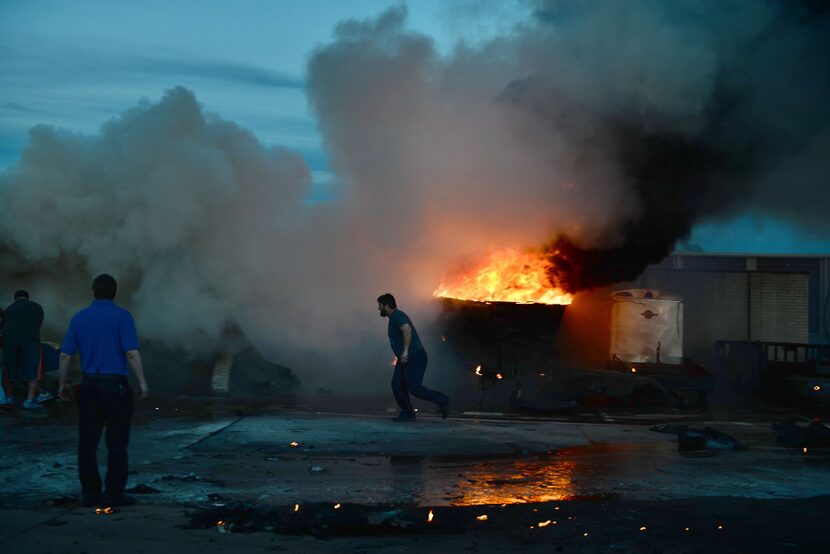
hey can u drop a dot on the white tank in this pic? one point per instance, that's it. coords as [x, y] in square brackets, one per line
[646, 326]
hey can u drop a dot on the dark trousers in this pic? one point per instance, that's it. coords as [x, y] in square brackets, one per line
[21, 358]
[104, 403]
[407, 380]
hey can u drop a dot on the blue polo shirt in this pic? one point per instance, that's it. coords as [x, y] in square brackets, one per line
[103, 333]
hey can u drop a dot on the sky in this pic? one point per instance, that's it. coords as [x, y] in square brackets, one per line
[76, 65]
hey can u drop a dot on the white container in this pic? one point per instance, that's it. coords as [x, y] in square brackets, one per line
[646, 327]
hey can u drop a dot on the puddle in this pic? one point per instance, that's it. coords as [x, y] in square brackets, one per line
[599, 469]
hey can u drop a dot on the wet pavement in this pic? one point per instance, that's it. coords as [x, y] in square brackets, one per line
[198, 453]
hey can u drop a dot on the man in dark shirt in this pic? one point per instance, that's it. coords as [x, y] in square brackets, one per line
[411, 363]
[21, 344]
[106, 337]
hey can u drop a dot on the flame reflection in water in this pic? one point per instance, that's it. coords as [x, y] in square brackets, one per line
[529, 481]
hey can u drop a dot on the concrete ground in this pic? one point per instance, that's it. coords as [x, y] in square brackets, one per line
[601, 473]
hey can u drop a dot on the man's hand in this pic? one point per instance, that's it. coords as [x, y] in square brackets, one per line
[404, 359]
[145, 391]
[63, 372]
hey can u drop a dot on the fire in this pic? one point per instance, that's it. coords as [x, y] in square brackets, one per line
[506, 276]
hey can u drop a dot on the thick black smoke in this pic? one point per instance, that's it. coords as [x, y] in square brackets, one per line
[606, 130]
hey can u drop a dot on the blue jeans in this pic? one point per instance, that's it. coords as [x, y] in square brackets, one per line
[407, 380]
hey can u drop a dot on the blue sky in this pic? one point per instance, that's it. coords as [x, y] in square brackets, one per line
[77, 64]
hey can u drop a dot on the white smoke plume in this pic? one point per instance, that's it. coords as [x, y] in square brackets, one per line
[204, 227]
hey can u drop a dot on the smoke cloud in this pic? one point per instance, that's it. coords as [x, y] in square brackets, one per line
[602, 131]
[205, 229]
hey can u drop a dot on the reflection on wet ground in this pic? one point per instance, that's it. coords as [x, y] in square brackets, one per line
[568, 473]
[279, 456]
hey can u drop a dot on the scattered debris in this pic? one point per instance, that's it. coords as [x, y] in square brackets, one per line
[142, 489]
[315, 470]
[62, 500]
[320, 520]
[814, 435]
[192, 477]
[699, 438]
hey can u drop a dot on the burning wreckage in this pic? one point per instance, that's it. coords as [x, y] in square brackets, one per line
[500, 320]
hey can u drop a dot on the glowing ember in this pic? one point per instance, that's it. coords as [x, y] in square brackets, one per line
[499, 376]
[478, 371]
[544, 523]
[296, 508]
[104, 511]
[482, 517]
[506, 276]
[816, 388]
[643, 528]
[293, 444]
[430, 517]
[337, 506]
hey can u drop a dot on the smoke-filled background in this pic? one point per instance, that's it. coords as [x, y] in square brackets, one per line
[600, 131]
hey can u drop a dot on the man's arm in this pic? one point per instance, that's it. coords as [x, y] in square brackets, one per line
[63, 370]
[134, 359]
[406, 329]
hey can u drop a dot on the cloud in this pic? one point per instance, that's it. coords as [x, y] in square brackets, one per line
[207, 69]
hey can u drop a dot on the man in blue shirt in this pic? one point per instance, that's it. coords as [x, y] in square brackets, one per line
[411, 361]
[106, 337]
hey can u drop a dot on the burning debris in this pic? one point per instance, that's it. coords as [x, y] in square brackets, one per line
[506, 276]
[322, 519]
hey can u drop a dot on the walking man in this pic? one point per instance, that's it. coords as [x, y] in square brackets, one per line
[21, 345]
[106, 337]
[411, 362]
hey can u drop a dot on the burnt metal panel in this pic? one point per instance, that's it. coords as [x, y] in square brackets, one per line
[501, 336]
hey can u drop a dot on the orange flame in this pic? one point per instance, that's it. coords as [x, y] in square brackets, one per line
[506, 276]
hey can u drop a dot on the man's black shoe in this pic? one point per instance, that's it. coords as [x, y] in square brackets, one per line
[91, 500]
[120, 500]
[402, 418]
